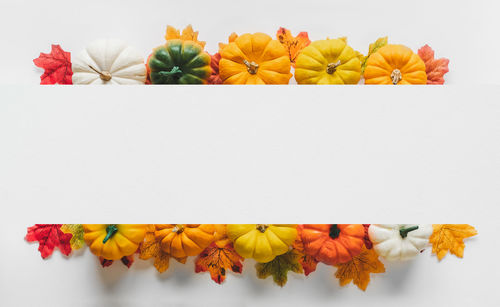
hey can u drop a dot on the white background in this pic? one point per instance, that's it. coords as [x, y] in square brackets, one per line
[249, 154]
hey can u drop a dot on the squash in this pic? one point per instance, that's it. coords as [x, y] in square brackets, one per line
[108, 62]
[263, 242]
[113, 241]
[332, 243]
[395, 64]
[399, 241]
[183, 240]
[329, 61]
[179, 62]
[254, 59]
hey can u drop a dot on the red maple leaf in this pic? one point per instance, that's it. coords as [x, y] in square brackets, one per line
[126, 260]
[49, 236]
[214, 64]
[435, 68]
[57, 66]
[217, 261]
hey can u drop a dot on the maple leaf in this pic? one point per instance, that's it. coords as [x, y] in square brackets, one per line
[49, 237]
[187, 35]
[126, 260]
[56, 65]
[308, 262]
[293, 45]
[76, 230]
[214, 64]
[374, 47]
[279, 267]
[435, 68]
[150, 248]
[450, 238]
[359, 268]
[217, 261]
[232, 37]
[368, 243]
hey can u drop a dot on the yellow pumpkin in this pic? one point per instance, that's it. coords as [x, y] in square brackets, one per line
[183, 240]
[329, 61]
[254, 59]
[263, 242]
[113, 241]
[395, 64]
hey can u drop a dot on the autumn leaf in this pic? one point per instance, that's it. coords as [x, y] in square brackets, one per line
[293, 45]
[187, 35]
[230, 39]
[76, 230]
[307, 262]
[359, 268]
[435, 68]
[368, 243]
[218, 261]
[374, 47]
[214, 64]
[279, 267]
[126, 260]
[49, 237]
[450, 238]
[150, 248]
[56, 65]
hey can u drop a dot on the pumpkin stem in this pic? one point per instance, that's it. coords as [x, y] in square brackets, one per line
[110, 231]
[403, 232]
[334, 231]
[104, 75]
[252, 67]
[262, 227]
[173, 71]
[396, 76]
[179, 228]
[332, 67]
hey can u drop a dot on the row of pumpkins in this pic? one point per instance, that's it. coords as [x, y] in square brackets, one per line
[249, 59]
[328, 243]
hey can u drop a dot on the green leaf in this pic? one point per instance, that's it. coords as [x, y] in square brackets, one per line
[279, 267]
[374, 47]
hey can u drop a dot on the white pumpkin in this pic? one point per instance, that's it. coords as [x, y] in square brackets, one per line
[109, 61]
[396, 242]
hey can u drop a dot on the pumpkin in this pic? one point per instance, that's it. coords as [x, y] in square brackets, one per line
[395, 64]
[108, 62]
[183, 240]
[332, 243]
[254, 59]
[399, 241]
[329, 61]
[113, 241]
[179, 62]
[263, 242]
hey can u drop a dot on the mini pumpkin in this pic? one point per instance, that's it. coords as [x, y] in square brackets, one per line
[108, 61]
[179, 62]
[263, 242]
[254, 59]
[399, 241]
[329, 61]
[395, 64]
[332, 243]
[183, 240]
[113, 241]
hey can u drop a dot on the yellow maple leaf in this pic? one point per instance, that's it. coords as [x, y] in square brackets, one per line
[188, 34]
[450, 238]
[372, 48]
[230, 39]
[359, 268]
[76, 230]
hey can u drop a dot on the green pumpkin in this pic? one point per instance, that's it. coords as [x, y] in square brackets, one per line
[179, 62]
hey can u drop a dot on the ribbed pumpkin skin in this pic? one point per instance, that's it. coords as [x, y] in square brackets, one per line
[271, 57]
[311, 66]
[193, 62]
[318, 243]
[382, 63]
[123, 243]
[190, 241]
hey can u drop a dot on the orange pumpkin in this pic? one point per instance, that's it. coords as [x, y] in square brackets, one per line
[395, 64]
[182, 240]
[332, 243]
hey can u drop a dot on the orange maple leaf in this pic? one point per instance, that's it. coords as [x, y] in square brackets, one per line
[359, 268]
[435, 68]
[450, 238]
[188, 34]
[230, 39]
[308, 262]
[292, 44]
[217, 260]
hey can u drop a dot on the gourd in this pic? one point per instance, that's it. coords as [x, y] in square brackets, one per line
[113, 241]
[332, 243]
[395, 64]
[399, 241]
[329, 61]
[183, 240]
[108, 62]
[254, 59]
[179, 62]
[262, 242]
